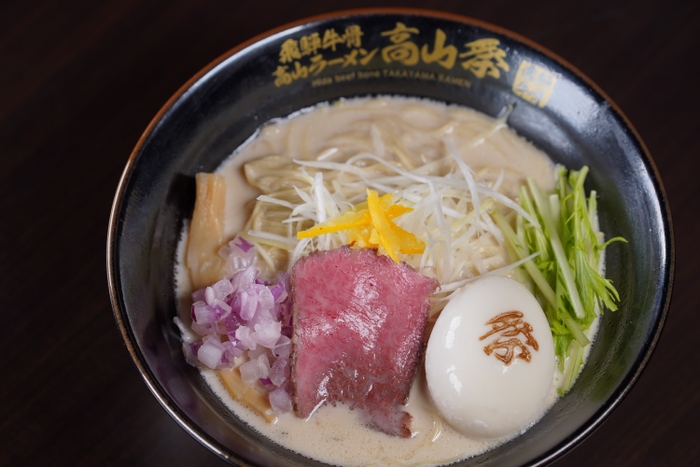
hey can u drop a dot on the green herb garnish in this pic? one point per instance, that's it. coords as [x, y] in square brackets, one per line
[565, 274]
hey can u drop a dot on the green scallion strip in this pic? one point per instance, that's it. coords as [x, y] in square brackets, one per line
[565, 272]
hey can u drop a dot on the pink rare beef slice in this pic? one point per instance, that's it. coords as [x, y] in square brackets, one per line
[359, 320]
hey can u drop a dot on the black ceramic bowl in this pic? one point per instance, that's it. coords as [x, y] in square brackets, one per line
[399, 52]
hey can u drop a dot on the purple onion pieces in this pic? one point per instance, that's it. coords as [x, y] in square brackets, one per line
[280, 400]
[242, 244]
[239, 254]
[205, 314]
[267, 333]
[244, 335]
[279, 371]
[212, 352]
[244, 317]
[255, 369]
[278, 292]
[190, 352]
[283, 347]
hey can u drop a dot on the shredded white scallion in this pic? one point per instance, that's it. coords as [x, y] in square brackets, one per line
[435, 209]
[451, 207]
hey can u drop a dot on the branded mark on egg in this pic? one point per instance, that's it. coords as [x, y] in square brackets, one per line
[510, 324]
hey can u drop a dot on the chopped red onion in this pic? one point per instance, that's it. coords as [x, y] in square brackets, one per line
[245, 335]
[239, 254]
[280, 400]
[211, 353]
[205, 314]
[255, 369]
[243, 279]
[283, 347]
[252, 316]
[198, 296]
[233, 322]
[267, 384]
[255, 353]
[190, 352]
[249, 304]
[279, 371]
[279, 291]
[203, 329]
[267, 333]
[265, 298]
[232, 349]
[243, 244]
[223, 288]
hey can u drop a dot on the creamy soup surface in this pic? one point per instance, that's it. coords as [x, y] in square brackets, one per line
[418, 130]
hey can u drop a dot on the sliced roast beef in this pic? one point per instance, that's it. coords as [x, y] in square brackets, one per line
[359, 320]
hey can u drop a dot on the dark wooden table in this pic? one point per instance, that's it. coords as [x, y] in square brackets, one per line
[80, 80]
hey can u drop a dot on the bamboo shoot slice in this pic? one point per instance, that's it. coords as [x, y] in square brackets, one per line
[207, 231]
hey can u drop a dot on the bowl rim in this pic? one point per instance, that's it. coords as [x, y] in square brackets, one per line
[210, 442]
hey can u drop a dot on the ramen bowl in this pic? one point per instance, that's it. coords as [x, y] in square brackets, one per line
[411, 53]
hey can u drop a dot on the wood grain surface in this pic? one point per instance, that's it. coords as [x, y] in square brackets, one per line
[79, 82]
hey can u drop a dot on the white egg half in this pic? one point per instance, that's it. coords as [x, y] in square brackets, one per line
[490, 359]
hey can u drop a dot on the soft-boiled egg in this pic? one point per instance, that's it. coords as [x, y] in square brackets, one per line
[490, 359]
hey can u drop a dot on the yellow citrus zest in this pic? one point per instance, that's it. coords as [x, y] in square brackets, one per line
[386, 236]
[370, 225]
[348, 220]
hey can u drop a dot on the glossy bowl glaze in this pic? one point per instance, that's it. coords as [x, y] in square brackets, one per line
[397, 52]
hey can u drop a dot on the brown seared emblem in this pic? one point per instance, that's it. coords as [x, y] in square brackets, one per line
[510, 324]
